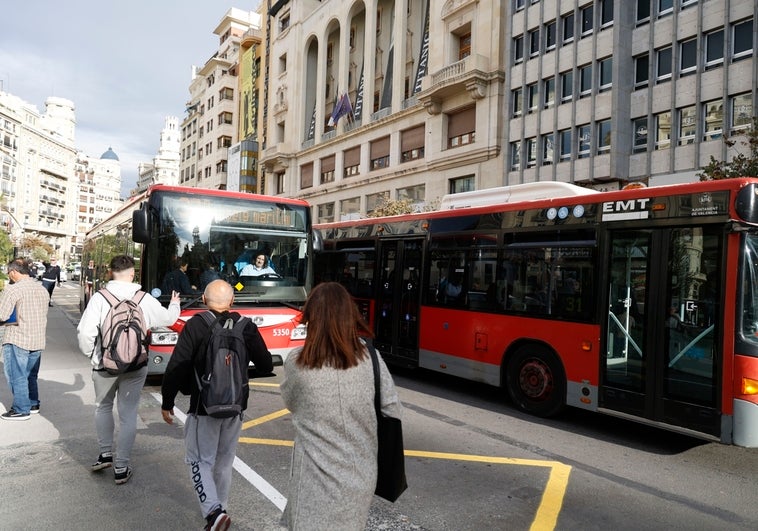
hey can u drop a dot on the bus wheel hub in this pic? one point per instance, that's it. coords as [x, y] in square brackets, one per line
[535, 379]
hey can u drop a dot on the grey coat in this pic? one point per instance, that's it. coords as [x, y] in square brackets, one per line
[333, 471]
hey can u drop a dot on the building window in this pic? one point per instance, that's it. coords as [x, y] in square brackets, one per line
[518, 4]
[742, 111]
[380, 153]
[714, 48]
[461, 184]
[461, 128]
[663, 68]
[549, 92]
[350, 208]
[515, 155]
[606, 13]
[584, 141]
[374, 201]
[588, 14]
[464, 45]
[550, 37]
[534, 42]
[585, 80]
[351, 160]
[326, 213]
[565, 144]
[604, 136]
[665, 7]
[606, 73]
[640, 134]
[567, 86]
[643, 11]
[687, 125]
[567, 26]
[284, 21]
[533, 95]
[518, 101]
[663, 130]
[547, 149]
[279, 179]
[713, 120]
[306, 175]
[412, 144]
[688, 57]
[641, 71]
[531, 152]
[742, 40]
[417, 193]
[226, 93]
[518, 49]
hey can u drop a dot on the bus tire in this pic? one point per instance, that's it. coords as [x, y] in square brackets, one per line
[536, 380]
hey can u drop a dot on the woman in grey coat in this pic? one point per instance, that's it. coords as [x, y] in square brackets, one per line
[329, 389]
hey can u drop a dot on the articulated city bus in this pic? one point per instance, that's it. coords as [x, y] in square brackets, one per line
[640, 303]
[215, 234]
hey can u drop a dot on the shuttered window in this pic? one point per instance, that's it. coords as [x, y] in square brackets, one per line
[412, 144]
[306, 175]
[380, 153]
[461, 127]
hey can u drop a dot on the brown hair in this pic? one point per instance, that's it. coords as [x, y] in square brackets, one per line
[334, 329]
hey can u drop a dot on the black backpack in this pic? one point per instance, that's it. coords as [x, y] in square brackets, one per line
[223, 383]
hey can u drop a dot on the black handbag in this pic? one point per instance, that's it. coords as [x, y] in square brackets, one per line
[390, 480]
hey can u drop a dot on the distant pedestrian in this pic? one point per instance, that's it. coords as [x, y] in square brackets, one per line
[51, 277]
[210, 443]
[89, 280]
[23, 342]
[124, 387]
[328, 387]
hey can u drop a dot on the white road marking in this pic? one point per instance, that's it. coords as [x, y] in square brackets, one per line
[252, 477]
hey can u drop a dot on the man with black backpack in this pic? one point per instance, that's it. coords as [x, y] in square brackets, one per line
[211, 362]
[112, 333]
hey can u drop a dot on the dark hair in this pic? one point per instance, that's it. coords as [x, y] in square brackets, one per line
[334, 329]
[122, 262]
[20, 265]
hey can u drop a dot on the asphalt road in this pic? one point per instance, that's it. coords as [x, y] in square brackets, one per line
[473, 463]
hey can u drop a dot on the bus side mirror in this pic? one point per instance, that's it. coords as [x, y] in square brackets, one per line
[141, 224]
[318, 241]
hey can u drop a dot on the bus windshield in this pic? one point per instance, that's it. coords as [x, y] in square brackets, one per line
[203, 238]
[749, 310]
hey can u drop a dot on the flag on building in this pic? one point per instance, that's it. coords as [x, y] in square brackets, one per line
[341, 108]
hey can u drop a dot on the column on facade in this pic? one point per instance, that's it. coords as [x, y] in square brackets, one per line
[399, 35]
[344, 66]
[369, 66]
[320, 84]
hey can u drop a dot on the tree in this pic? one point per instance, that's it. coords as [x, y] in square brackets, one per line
[6, 247]
[396, 207]
[36, 248]
[744, 164]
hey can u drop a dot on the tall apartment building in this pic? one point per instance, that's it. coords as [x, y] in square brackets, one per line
[456, 95]
[606, 92]
[98, 187]
[243, 173]
[210, 127]
[38, 158]
[164, 167]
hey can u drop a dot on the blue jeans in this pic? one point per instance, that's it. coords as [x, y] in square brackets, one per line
[21, 365]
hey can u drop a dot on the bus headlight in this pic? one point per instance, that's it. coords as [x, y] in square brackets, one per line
[163, 337]
[299, 333]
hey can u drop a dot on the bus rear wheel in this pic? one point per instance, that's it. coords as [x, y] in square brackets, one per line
[536, 381]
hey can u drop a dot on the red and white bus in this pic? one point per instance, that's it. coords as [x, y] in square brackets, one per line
[215, 233]
[640, 303]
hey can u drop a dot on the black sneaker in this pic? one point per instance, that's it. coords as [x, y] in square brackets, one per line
[218, 520]
[34, 410]
[103, 461]
[122, 475]
[14, 415]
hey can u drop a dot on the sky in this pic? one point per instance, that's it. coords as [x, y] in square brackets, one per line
[126, 65]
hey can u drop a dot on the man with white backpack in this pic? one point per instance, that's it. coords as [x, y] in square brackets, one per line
[124, 382]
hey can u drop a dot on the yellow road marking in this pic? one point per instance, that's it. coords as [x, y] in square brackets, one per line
[546, 517]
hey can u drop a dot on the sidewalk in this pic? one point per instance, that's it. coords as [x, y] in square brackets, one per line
[45, 461]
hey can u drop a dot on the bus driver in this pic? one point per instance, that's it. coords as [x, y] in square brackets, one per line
[258, 268]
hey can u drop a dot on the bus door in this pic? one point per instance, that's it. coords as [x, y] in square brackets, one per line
[398, 300]
[662, 352]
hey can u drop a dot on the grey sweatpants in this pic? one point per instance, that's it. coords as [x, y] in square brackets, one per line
[125, 390]
[211, 445]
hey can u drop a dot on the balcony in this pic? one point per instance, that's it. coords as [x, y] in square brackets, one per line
[469, 74]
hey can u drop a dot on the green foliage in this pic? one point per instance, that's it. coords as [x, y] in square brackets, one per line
[396, 207]
[744, 164]
[6, 247]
